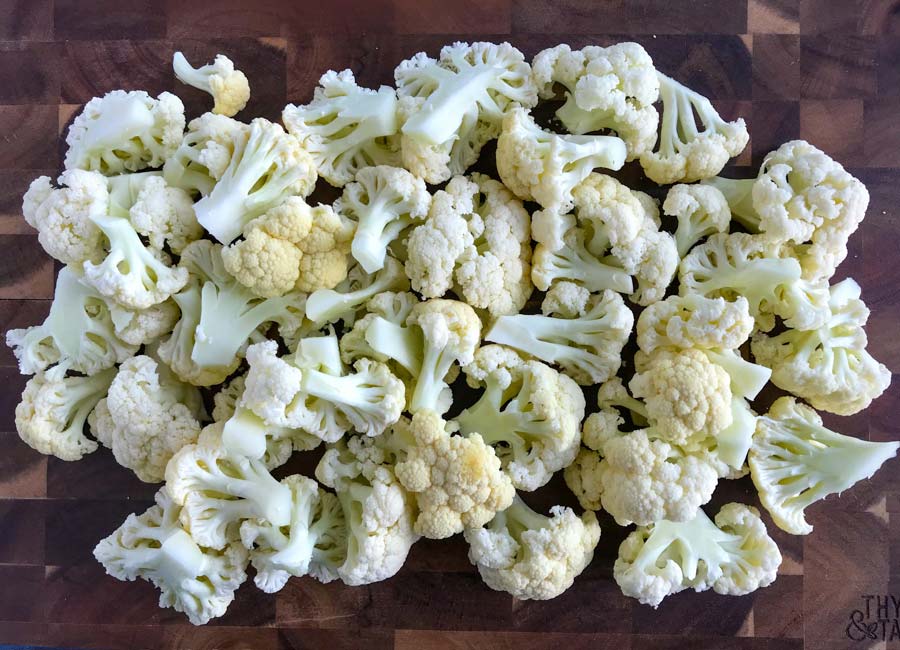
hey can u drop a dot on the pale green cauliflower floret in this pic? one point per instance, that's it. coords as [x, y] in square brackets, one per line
[688, 397]
[795, 461]
[537, 165]
[828, 366]
[457, 103]
[80, 332]
[266, 167]
[346, 128]
[528, 412]
[195, 580]
[800, 196]
[733, 556]
[701, 211]
[312, 541]
[152, 416]
[574, 263]
[293, 246]
[228, 86]
[63, 216]
[383, 202]
[54, 408]
[457, 481]
[687, 151]
[204, 153]
[125, 131]
[606, 88]
[532, 556]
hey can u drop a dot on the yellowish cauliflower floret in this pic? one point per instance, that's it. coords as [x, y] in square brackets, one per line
[688, 397]
[292, 246]
[583, 478]
[457, 480]
[229, 87]
[693, 321]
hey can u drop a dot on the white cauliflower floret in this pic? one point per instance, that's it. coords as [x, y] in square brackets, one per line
[63, 216]
[606, 88]
[204, 153]
[54, 408]
[693, 321]
[701, 211]
[583, 479]
[565, 299]
[795, 461]
[383, 202]
[228, 86]
[459, 101]
[144, 326]
[457, 481]
[733, 556]
[538, 165]
[533, 556]
[800, 195]
[828, 366]
[346, 128]
[80, 332]
[687, 151]
[153, 416]
[198, 581]
[125, 131]
[528, 412]
[165, 215]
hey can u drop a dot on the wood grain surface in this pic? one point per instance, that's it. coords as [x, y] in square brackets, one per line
[825, 71]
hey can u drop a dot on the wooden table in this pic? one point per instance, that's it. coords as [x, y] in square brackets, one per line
[824, 71]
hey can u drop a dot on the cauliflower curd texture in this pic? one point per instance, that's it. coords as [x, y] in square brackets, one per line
[496, 278]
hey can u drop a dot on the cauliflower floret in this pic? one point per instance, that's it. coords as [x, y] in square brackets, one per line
[693, 321]
[292, 246]
[163, 214]
[79, 332]
[565, 299]
[538, 165]
[795, 461]
[229, 87]
[828, 366]
[528, 412]
[204, 153]
[125, 131]
[266, 167]
[583, 479]
[701, 211]
[152, 415]
[50, 418]
[688, 397]
[645, 480]
[383, 202]
[652, 258]
[606, 88]
[687, 151]
[533, 556]
[457, 480]
[616, 214]
[460, 100]
[574, 263]
[198, 581]
[588, 347]
[346, 128]
[63, 216]
[733, 556]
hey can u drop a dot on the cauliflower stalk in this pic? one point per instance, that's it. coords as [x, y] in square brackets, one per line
[732, 555]
[346, 128]
[533, 556]
[228, 86]
[795, 461]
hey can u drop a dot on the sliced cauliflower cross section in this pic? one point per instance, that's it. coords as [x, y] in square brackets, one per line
[228, 86]
[346, 128]
[606, 88]
[533, 556]
[454, 105]
[195, 580]
[795, 461]
[125, 131]
[733, 556]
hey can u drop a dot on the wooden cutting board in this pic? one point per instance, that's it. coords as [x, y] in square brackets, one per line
[824, 71]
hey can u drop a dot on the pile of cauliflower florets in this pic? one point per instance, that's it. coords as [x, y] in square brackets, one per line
[209, 321]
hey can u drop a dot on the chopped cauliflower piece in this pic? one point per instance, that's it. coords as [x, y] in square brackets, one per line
[228, 86]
